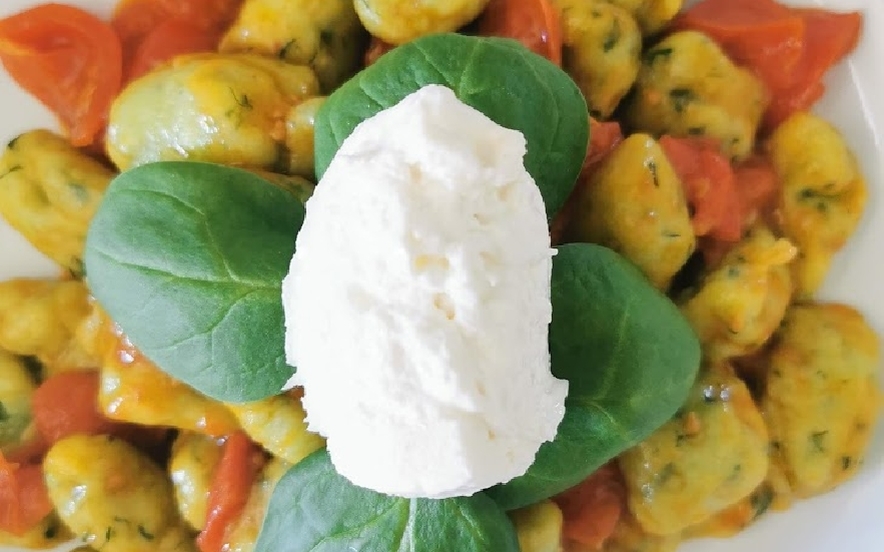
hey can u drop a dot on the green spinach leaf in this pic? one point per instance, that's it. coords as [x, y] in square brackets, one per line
[501, 78]
[629, 356]
[188, 258]
[313, 509]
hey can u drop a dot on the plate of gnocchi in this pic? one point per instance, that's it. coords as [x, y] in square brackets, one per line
[730, 159]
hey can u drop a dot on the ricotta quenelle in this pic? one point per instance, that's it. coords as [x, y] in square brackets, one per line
[417, 303]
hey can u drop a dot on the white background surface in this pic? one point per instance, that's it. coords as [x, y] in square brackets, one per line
[848, 519]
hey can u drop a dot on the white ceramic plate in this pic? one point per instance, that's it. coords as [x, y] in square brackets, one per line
[848, 519]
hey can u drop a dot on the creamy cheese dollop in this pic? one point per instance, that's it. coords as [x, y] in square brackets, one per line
[417, 304]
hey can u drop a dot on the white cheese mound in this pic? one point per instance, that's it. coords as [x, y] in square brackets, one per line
[417, 305]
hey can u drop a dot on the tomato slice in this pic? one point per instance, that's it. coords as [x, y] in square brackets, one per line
[760, 34]
[757, 185]
[231, 485]
[603, 138]
[67, 404]
[69, 60]
[24, 500]
[376, 49]
[535, 23]
[592, 509]
[137, 21]
[29, 452]
[829, 37]
[798, 97]
[169, 39]
[790, 49]
[709, 184]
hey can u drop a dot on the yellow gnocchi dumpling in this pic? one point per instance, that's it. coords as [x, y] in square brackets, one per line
[822, 395]
[687, 86]
[822, 197]
[713, 453]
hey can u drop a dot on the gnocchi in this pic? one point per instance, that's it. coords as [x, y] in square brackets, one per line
[223, 108]
[687, 86]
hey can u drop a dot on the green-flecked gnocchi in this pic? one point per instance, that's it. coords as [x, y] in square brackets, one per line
[740, 304]
[49, 191]
[325, 35]
[539, 527]
[601, 51]
[737, 516]
[16, 388]
[228, 109]
[399, 21]
[48, 533]
[711, 454]
[651, 15]
[41, 318]
[687, 86]
[822, 195]
[113, 496]
[634, 203]
[277, 423]
[822, 395]
[628, 536]
[192, 465]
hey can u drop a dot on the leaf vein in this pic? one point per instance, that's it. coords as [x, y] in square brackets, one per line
[251, 284]
[170, 196]
[204, 220]
[212, 326]
[589, 403]
[556, 116]
[467, 70]
[355, 529]
[471, 523]
[407, 530]
[216, 249]
[370, 95]
[618, 348]
[429, 59]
